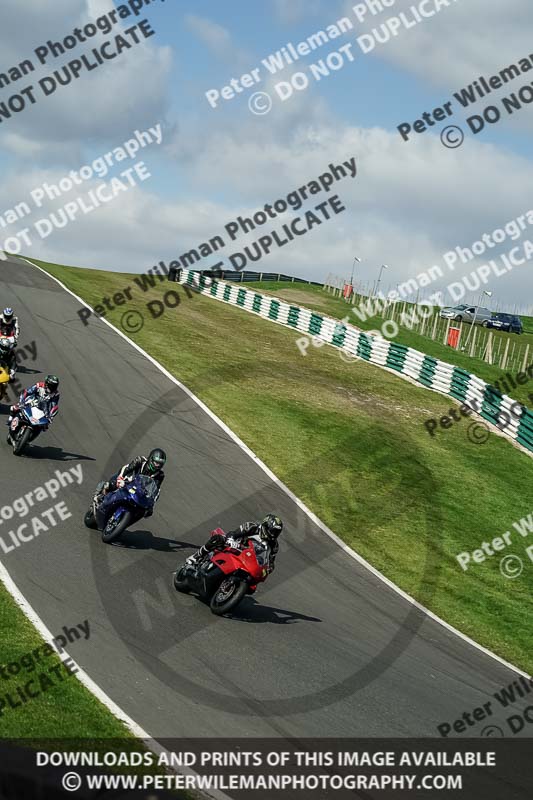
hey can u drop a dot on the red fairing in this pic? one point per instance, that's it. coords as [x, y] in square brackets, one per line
[230, 561]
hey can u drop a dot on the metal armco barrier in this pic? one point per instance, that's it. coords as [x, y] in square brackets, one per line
[425, 370]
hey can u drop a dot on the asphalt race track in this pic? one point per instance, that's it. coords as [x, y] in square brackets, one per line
[324, 649]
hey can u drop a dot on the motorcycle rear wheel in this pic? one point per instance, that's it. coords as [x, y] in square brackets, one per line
[112, 532]
[180, 584]
[20, 443]
[228, 595]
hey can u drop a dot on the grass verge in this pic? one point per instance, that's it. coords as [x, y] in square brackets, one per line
[64, 707]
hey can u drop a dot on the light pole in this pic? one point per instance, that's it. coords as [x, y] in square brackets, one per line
[489, 294]
[353, 269]
[383, 266]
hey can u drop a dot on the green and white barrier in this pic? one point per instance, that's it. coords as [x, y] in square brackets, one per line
[513, 419]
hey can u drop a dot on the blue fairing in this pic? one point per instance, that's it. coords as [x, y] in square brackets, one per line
[26, 413]
[138, 496]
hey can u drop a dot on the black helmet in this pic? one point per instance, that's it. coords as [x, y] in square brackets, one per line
[271, 527]
[156, 461]
[52, 383]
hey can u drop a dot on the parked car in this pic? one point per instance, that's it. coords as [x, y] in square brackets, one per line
[506, 322]
[477, 314]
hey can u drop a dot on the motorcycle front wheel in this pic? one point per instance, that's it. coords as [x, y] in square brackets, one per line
[20, 443]
[89, 520]
[114, 528]
[228, 595]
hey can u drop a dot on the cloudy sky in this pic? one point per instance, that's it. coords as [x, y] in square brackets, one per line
[410, 203]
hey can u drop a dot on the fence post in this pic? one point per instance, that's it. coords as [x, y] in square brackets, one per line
[260, 276]
[504, 361]
[435, 327]
[488, 350]
[472, 346]
[497, 354]
[524, 363]
[446, 334]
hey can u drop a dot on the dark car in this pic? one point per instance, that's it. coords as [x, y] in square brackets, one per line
[506, 322]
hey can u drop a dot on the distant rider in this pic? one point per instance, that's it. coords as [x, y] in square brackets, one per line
[9, 327]
[150, 465]
[262, 534]
[45, 393]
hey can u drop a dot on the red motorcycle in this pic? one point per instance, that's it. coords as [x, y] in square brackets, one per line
[225, 576]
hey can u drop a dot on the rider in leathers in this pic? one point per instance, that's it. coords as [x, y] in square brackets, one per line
[9, 327]
[45, 393]
[265, 534]
[150, 465]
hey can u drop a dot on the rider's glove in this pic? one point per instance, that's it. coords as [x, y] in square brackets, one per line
[217, 541]
[120, 483]
[247, 527]
[14, 408]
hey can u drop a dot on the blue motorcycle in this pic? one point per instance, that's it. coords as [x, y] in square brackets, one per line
[27, 423]
[112, 513]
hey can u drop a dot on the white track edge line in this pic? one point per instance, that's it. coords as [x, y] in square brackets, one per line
[352, 553]
[87, 681]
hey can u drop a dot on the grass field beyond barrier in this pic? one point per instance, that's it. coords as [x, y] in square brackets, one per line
[315, 298]
[349, 439]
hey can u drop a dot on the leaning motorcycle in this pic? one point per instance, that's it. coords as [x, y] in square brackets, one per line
[113, 513]
[225, 576]
[27, 423]
[7, 345]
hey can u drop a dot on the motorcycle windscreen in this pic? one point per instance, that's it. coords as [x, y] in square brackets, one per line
[261, 553]
[147, 489]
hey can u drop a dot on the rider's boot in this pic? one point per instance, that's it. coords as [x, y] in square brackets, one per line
[198, 556]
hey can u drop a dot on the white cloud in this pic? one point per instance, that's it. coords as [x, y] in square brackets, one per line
[290, 12]
[407, 206]
[399, 210]
[213, 35]
[105, 104]
[466, 40]
[463, 41]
